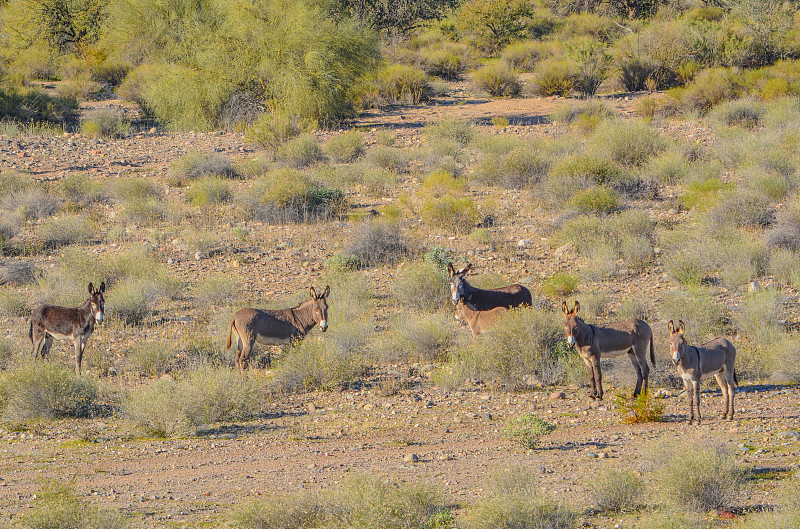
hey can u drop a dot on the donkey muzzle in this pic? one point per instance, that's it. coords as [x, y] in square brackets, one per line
[98, 317]
[323, 325]
[571, 341]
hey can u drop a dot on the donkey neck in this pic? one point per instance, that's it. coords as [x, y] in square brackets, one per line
[470, 313]
[585, 335]
[303, 316]
[86, 315]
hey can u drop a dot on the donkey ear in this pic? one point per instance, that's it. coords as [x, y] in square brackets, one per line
[564, 308]
[91, 289]
[671, 327]
[577, 308]
[327, 291]
[681, 327]
[102, 287]
[451, 269]
[466, 268]
[313, 293]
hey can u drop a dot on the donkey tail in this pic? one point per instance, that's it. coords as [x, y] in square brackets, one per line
[735, 378]
[230, 330]
[652, 351]
[30, 330]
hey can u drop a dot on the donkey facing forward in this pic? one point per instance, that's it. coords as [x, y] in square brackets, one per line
[697, 362]
[73, 323]
[593, 342]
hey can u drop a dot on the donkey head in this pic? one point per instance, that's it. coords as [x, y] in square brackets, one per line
[677, 341]
[320, 309]
[571, 321]
[457, 281]
[97, 302]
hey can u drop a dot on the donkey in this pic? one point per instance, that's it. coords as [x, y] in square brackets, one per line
[275, 327]
[509, 296]
[478, 320]
[76, 324]
[697, 362]
[629, 337]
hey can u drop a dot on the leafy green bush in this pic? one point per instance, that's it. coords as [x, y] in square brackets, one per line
[347, 147]
[105, 124]
[497, 79]
[491, 25]
[401, 84]
[642, 408]
[272, 130]
[702, 194]
[315, 364]
[524, 55]
[458, 215]
[46, 390]
[686, 268]
[555, 77]
[560, 285]
[527, 430]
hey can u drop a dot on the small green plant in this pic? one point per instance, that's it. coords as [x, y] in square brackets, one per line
[686, 268]
[497, 79]
[702, 195]
[216, 289]
[599, 200]
[400, 84]
[527, 430]
[643, 408]
[459, 215]
[209, 190]
[60, 507]
[500, 122]
[560, 285]
[105, 124]
[272, 130]
[347, 147]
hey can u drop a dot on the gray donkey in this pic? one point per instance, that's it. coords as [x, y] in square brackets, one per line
[593, 342]
[697, 362]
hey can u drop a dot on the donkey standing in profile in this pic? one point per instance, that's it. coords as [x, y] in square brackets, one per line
[697, 362]
[478, 320]
[276, 327]
[76, 324]
[593, 342]
[509, 296]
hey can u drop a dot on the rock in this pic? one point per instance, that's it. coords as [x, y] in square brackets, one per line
[662, 393]
[790, 433]
[754, 286]
[368, 406]
[410, 458]
[170, 261]
[524, 243]
[558, 395]
[199, 256]
[672, 211]
[311, 407]
[592, 455]
[427, 368]
[567, 248]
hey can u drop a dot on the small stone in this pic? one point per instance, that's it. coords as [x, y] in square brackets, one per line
[567, 248]
[754, 286]
[199, 256]
[369, 406]
[170, 261]
[672, 211]
[311, 407]
[592, 455]
[524, 243]
[790, 433]
[558, 395]
[410, 458]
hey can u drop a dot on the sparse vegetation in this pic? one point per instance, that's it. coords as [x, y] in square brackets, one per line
[619, 491]
[527, 430]
[46, 390]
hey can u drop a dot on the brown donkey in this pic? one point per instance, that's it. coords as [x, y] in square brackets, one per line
[478, 320]
[275, 327]
[509, 296]
[697, 362]
[76, 324]
[630, 337]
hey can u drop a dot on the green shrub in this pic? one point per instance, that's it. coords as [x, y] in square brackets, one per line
[642, 408]
[315, 364]
[555, 77]
[497, 79]
[14, 304]
[668, 168]
[151, 358]
[784, 264]
[105, 124]
[216, 289]
[560, 285]
[81, 191]
[447, 60]
[703, 317]
[29, 203]
[458, 215]
[599, 170]
[745, 113]
[629, 144]
[347, 147]
[46, 390]
[702, 194]
[524, 55]
[758, 314]
[527, 430]
[599, 200]
[289, 196]
[377, 243]
[272, 130]
[197, 165]
[300, 152]
[703, 478]
[367, 502]
[422, 286]
[490, 26]
[66, 229]
[460, 131]
[520, 168]
[391, 158]
[686, 268]
[400, 84]
[441, 183]
[157, 409]
[209, 190]
[418, 338]
[743, 208]
[709, 88]
[618, 491]
[59, 507]
[634, 71]
[134, 298]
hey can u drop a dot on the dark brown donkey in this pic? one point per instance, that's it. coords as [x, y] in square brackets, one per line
[275, 327]
[509, 296]
[697, 362]
[629, 337]
[76, 324]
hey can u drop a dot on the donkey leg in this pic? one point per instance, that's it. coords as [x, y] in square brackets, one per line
[36, 341]
[687, 385]
[638, 370]
[48, 342]
[696, 388]
[244, 355]
[592, 386]
[78, 355]
[723, 386]
[598, 376]
[731, 390]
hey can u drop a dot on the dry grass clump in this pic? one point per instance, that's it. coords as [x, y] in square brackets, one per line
[81, 192]
[517, 501]
[316, 364]
[422, 286]
[555, 77]
[526, 430]
[743, 208]
[300, 152]
[66, 229]
[597, 200]
[367, 502]
[786, 231]
[140, 199]
[377, 243]
[618, 491]
[209, 190]
[59, 507]
[398, 84]
[669, 167]
[105, 124]
[458, 130]
[703, 478]
[630, 144]
[17, 273]
[216, 289]
[151, 358]
[746, 113]
[273, 129]
[519, 168]
[48, 390]
[199, 164]
[703, 317]
[497, 79]
[29, 203]
[285, 196]
[347, 147]
[418, 338]
[758, 314]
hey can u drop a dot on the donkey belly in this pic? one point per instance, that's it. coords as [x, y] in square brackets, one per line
[614, 354]
[271, 340]
[60, 336]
